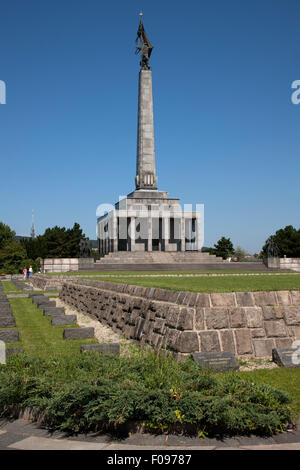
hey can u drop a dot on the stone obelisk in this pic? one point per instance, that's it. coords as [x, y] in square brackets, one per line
[145, 162]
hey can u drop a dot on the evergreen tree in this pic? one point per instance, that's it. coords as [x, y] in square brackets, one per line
[224, 247]
[12, 257]
[6, 234]
[287, 241]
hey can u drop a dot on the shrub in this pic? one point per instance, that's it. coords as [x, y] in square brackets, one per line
[92, 392]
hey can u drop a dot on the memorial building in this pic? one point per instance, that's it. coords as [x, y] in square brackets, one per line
[147, 219]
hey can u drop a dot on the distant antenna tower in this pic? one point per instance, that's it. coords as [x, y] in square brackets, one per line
[32, 232]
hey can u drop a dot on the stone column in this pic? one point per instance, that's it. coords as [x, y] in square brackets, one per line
[166, 232]
[115, 233]
[198, 233]
[145, 162]
[132, 233]
[182, 233]
[149, 232]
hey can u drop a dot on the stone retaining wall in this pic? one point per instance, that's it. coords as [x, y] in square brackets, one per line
[246, 323]
[43, 283]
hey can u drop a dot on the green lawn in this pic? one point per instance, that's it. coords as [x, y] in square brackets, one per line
[37, 336]
[286, 380]
[135, 273]
[216, 284]
[10, 288]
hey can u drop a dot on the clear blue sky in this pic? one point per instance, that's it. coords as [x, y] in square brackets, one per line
[227, 133]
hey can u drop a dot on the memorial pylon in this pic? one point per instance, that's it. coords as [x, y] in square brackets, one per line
[147, 219]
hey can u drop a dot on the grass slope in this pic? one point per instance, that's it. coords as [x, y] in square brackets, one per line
[10, 288]
[216, 284]
[37, 336]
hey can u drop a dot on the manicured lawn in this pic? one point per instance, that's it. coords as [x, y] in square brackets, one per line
[135, 273]
[216, 284]
[37, 336]
[286, 380]
[10, 288]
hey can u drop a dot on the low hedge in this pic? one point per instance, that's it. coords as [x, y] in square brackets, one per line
[92, 392]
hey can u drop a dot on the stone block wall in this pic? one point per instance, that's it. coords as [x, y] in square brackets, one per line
[290, 263]
[246, 323]
[46, 282]
[57, 265]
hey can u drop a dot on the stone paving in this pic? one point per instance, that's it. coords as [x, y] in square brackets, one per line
[24, 435]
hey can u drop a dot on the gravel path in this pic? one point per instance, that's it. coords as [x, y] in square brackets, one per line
[103, 333]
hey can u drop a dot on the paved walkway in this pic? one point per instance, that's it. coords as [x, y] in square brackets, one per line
[24, 435]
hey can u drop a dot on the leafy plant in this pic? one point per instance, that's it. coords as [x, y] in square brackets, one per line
[92, 392]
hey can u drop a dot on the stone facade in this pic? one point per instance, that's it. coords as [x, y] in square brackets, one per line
[245, 323]
[57, 265]
[290, 263]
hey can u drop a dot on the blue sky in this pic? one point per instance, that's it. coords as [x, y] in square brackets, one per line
[226, 131]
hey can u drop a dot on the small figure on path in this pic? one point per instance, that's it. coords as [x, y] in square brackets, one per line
[30, 271]
[25, 273]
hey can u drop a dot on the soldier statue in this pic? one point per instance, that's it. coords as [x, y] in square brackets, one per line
[145, 48]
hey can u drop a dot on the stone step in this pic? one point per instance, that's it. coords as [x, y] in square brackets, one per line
[38, 298]
[9, 336]
[158, 258]
[50, 311]
[43, 306]
[7, 314]
[216, 266]
[5, 310]
[11, 351]
[78, 333]
[44, 301]
[103, 348]
[7, 322]
[61, 320]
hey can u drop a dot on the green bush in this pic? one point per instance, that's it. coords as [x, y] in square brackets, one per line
[91, 392]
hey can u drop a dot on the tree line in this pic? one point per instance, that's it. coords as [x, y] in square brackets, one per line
[285, 242]
[56, 242]
[62, 242]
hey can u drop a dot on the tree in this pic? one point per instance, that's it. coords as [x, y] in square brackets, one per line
[6, 235]
[207, 249]
[59, 242]
[74, 235]
[240, 253]
[224, 247]
[35, 247]
[287, 241]
[13, 257]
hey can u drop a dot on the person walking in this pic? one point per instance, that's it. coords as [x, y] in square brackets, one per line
[25, 273]
[30, 271]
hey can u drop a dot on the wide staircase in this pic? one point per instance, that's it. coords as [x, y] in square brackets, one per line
[170, 261]
[159, 257]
